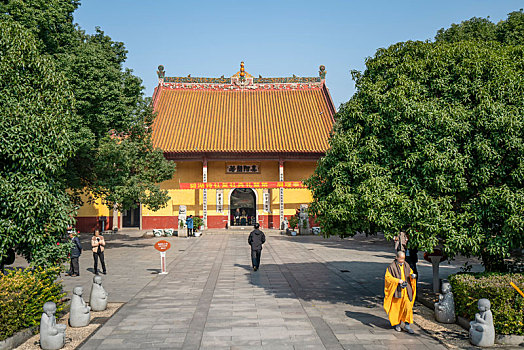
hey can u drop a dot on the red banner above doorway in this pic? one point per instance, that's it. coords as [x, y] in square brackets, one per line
[253, 184]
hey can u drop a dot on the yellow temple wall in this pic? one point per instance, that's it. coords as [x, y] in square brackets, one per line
[87, 217]
[191, 171]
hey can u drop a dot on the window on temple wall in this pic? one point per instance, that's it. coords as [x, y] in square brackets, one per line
[220, 201]
[266, 200]
[243, 168]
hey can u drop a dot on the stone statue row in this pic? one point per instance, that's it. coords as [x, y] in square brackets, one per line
[52, 335]
[482, 329]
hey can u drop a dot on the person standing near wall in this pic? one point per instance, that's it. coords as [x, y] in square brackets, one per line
[189, 224]
[98, 245]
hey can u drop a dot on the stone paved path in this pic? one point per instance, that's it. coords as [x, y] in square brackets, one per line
[131, 263]
[310, 293]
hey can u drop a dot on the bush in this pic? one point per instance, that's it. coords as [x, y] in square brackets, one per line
[52, 254]
[507, 305]
[293, 222]
[197, 222]
[22, 296]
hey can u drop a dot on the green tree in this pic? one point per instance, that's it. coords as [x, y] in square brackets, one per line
[51, 21]
[109, 100]
[476, 29]
[509, 31]
[116, 160]
[100, 144]
[36, 105]
[431, 143]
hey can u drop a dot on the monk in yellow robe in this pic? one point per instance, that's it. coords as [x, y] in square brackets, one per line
[399, 293]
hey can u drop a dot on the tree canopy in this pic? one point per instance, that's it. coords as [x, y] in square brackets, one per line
[99, 145]
[36, 109]
[431, 144]
[509, 31]
[109, 100]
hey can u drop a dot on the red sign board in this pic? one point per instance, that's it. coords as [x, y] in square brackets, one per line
[253, 184]
[162, 246]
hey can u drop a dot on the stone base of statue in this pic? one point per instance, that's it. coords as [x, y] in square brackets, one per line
[52, 335]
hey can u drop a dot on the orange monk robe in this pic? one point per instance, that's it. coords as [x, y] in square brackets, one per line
[399, 309]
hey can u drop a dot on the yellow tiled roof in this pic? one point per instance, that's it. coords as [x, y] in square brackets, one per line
[243, 120]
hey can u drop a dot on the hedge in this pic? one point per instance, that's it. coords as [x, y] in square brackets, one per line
[22, 296]
[507, 305]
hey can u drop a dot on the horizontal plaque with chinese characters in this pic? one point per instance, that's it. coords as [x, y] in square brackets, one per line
[243, 168]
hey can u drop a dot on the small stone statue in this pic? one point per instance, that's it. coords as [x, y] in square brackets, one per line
[80, 313]
[482, 330]
[445, 308]
[98, 298]
[52, 335]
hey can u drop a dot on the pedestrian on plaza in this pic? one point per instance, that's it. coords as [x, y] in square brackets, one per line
[76, 251]
[189, 224]
[98, 245]
[401, 242]
[237, 217]
[412, 259]
[255, 240]
[400, 289]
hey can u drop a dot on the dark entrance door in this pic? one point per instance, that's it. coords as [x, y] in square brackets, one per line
[242, 206]
[131, 217]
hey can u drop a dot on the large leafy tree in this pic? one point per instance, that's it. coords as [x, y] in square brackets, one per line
[509, 31]
[432, 144]
[116, 160]
[109, 101]
[36, 114]
[104, 148]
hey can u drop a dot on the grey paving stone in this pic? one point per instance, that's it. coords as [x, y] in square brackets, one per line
[211, 298]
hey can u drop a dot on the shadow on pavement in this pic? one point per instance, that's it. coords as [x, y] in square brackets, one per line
[360, 286]
[369, 320]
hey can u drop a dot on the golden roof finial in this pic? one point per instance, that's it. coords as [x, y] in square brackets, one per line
[242, 71]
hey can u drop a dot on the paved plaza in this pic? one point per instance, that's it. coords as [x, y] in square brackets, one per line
[310, 293]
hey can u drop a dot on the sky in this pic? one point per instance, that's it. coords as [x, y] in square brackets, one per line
[274, 38]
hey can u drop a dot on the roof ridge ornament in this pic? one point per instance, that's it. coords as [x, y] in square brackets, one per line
[322, 72]
[161, 74]
[242, 71]
[242, 78]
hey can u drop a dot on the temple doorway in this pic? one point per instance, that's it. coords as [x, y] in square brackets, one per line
[131, 217]
[242, 207]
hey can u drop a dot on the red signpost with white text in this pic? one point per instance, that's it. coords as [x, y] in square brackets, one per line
[162, 246]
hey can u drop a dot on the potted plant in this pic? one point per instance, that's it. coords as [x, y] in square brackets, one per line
[293, 223]
[198, 224]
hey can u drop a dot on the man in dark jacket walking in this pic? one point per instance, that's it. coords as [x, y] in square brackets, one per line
[255, 240]
[76, 250]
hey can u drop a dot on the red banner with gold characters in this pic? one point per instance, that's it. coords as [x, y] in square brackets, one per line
[253, 184]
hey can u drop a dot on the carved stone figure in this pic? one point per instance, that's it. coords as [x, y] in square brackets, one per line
[482, 330]
[52, 335]
[445, 308]
[98, 297]
[80, 313]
